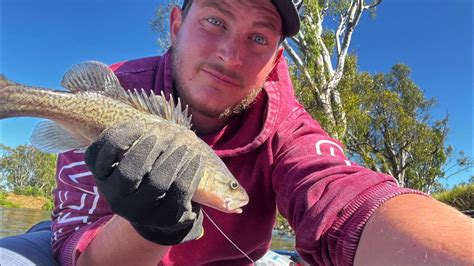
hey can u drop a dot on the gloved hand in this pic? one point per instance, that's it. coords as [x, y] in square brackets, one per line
[149, 177]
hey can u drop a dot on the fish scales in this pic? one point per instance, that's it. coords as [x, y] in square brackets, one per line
[82, 109]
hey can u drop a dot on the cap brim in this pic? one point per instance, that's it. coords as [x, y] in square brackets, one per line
[289, 16]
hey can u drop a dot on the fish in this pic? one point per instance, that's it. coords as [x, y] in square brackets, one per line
[94, 100]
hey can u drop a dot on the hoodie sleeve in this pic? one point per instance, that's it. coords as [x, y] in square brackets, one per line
[79, 210]
[326, 198]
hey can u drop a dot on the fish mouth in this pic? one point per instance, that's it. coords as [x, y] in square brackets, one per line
[234, 206]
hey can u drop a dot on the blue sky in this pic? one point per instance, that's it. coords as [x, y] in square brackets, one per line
[41, 39]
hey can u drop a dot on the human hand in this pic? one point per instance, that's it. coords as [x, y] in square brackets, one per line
[149, 177]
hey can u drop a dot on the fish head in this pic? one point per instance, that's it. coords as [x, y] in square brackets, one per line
[220, 190]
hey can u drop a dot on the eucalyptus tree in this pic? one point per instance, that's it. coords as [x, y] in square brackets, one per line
[313, 51]
[390, 128]
[160, 24]
[25, 169]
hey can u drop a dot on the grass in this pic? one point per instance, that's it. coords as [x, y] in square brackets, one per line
[6, 203]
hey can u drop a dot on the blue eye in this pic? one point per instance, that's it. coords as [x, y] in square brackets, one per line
[260, 40]
[214, 21]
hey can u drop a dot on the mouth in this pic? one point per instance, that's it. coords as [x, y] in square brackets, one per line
[221, 78]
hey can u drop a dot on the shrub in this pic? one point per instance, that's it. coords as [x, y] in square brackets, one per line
[48, 206]
[28, 191]
[460, 197]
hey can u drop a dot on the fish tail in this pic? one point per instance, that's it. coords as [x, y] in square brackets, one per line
[6, 91]
[5, 82]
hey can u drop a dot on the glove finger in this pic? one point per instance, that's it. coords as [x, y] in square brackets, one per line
[192, 212]
[176, 207]
[127, 176]
[165, 171]
[139, 162]
[183, 190]
[197, 230]
[189, 229]
[152, 189]
[190, 176]
[188, 220]
[128, 187]
[103, 154]
[166, 235]
[173, 211]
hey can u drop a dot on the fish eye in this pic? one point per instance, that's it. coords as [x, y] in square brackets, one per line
[234, 185]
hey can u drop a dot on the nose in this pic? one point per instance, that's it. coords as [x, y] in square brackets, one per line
[230, 52]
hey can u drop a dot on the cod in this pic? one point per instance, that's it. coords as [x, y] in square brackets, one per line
[95, 101]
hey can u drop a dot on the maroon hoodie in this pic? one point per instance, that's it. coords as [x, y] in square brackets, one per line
[277, 152]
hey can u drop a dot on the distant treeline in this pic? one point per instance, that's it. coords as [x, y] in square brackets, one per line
[25, 170]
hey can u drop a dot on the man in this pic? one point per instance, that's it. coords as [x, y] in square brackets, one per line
[226, 64]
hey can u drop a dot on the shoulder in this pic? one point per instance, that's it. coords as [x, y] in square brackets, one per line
[136, 65]
[138, 73]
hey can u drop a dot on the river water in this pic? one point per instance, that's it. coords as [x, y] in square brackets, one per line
[15, 221]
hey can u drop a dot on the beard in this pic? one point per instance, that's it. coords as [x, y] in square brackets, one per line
[186, 96]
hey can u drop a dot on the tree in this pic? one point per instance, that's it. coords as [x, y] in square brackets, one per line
[314, 49]
[390, 129]
[458, 164]
[25, 169]
[160, 24]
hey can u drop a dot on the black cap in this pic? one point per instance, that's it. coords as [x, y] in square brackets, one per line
[288, 10]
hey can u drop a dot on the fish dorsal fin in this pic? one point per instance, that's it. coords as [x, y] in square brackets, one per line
[93, 77]
[50, 137]
[97, 77]
[158, 105]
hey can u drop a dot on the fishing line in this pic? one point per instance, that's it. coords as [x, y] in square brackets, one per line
[215, 225]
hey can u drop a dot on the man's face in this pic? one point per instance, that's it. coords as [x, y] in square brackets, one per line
[223, 52]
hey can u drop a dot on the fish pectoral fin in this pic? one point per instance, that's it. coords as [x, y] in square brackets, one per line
[50, 137]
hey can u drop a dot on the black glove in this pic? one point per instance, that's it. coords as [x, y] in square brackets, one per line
[149, 177]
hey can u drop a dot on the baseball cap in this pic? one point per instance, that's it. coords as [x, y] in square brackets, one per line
[288, 10]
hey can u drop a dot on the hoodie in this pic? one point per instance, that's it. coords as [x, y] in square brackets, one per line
[278, 153]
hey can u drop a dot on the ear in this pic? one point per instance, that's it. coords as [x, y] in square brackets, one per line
[175, 23]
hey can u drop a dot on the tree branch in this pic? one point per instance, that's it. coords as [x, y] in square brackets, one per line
[376, 3]
[318, 29]
[299, 63]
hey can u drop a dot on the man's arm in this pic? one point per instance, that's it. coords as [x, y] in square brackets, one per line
[416, 230]
[115, 244]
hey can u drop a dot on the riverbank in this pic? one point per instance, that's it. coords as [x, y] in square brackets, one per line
[12, 200]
